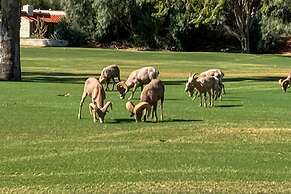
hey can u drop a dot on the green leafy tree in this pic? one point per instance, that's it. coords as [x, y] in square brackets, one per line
[97, 17]
[236, 16]
[275, 24]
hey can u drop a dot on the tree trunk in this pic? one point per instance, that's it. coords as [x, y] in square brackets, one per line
[245, 43]
[10, 40]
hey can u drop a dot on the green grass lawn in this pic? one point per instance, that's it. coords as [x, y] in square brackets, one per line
[242, 145]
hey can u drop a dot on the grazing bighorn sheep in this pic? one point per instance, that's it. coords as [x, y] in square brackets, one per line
[219, 75]
[93, 109]
[135, 79]
[286, 82]
[95, 90]
[203, 85]
[152, 93]
[138, 110]
[108, 73]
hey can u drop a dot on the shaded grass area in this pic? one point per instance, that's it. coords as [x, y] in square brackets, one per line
[74, 78]
[241, 145]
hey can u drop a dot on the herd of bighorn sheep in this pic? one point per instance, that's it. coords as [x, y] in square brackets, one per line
[150, 95]
[208, 84]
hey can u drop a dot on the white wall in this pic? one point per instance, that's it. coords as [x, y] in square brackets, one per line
[25, 28]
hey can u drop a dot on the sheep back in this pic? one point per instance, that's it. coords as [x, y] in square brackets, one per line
[152, 92]
[94, 89]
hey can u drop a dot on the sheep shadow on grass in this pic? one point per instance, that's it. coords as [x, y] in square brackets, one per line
[56, 77]
[229, 105]
[131, 120]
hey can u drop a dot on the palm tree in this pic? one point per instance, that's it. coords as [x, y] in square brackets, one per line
[10, 40]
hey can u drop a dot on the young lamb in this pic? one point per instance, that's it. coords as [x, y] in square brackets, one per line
[152, 93]
[285, 84]
[95, 90]
[109, 73]
[204, 85]
[138, 110]
[137, 78]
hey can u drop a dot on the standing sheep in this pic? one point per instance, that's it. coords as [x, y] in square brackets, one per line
[95, 90]
[204, 85]
[219, 75]
[152, 93]
[109, 73]
[137, 78]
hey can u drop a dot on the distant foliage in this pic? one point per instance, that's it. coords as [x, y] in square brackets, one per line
[275, 23]
[97, 18]
[69, 31]
[176, 24]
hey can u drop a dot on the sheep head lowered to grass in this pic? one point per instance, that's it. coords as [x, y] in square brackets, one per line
[138, 110]
[95, 90]
[285, 83]
[137, 78]
[101, 112]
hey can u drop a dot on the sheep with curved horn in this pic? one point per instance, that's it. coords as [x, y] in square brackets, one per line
[138, 110]
[205, 85]
[93, 109]
[285, 83]
[95, 90]
[152, 93]
[137, 78]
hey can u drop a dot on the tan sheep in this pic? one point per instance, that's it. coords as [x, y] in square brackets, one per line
[152, 93]
[204, 85]
[95, 90]
[101, 112]
[138, 110]
[109, 73]
[137, 78]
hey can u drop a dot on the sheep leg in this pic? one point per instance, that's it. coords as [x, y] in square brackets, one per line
[223, 88]
[200, 99]
[155, 111]
[113, 84]
[212, 104]
[81, 104]
[220, 93]
[195, 95]
[145, 116]
[133, 90]
[205, 99]
[107, 83]
[92, 112]
[211, 97]
[162, 109]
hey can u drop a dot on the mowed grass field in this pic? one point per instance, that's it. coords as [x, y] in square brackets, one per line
[242, 145]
